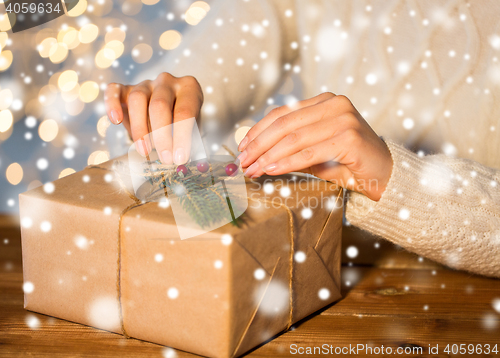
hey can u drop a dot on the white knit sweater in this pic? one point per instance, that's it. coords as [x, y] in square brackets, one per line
[425, 74]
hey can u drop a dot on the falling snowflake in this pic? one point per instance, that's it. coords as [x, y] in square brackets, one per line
[300, 256]
[81, 242]
[28, 287]
[259, 274]
[158, 257]
[324, 294]
[45, 226]
[226, 239]
[352, 252]
[104, 313]
[173, 293]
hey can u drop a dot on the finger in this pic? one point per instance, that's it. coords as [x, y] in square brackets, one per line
[160, 115]
[296, 141]
[138, 100]
[186, 109]
[322, 152]
[276, 113]
[113, 99]
[280, 128]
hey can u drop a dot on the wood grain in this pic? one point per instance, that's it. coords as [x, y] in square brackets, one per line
[390, 298]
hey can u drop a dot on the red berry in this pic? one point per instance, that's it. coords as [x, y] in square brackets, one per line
[182, 169]
[202, 167]
[231, 169]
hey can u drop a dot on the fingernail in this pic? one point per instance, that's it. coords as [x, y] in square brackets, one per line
[270, 168]
[243, 144]
[251, 169]
[180, 156]
[140, 146]
[166, 157]
[149, 146]
[241, 158]
[114, 117]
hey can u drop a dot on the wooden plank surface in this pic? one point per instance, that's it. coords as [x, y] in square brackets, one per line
[390, 298]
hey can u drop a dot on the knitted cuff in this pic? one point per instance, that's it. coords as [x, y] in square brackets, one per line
[404, 205]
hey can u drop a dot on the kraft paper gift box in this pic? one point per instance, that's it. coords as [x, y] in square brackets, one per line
[219, 294]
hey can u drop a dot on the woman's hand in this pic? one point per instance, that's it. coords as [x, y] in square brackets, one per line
[324, 136]
[152, 105]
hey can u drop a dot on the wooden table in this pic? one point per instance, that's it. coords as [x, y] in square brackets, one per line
[390, 298]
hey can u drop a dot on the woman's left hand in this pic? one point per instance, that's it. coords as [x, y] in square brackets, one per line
[324, 136]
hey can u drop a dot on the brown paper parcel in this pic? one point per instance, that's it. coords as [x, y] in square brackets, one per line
[219, 294]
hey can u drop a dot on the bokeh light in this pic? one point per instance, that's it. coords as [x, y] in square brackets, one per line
[88, 33]
[6, 120]
[14, 173]
[67, 80]
[48, 130]
[170, 39]
[58, 52]
[196, 12]
[103, 125]
[5, 60]
[6, 98]
[66, 172]
[79, 9]
[98, 157]
[89, 91]
[142, 53]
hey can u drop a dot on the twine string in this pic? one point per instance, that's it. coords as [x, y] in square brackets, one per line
[154, 195]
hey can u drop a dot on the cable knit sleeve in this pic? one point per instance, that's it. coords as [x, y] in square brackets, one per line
[237, 53]
[443, 208]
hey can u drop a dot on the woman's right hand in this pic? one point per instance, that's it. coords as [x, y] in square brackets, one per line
[153, 105]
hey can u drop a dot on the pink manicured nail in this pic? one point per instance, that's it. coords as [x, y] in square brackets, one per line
[270, 168]
[140, 146]
[114, 117]
[180, 156]
[251, 169]
[243, 144]
[241, 158]
[166, 157]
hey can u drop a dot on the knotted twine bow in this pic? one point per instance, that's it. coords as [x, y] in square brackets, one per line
[155, 195]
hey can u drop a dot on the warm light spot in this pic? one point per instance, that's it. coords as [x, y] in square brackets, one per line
[115, 34]
[4, 22]
[101, 60]
[89, 91]
[150, 2]
[48, 130]
[103, 125]
[88, 33]
[14, 173]
[70, 96]
[98, 157]
[3, 39]
[66, 172]
[116, 47]
[196, 12]
[6, 120]
[74, 108]
[69, 36]
[67, 80]
[240, 134]
[47, 95]
[79, 9]
[6, 98]
[142, 53]
[170, 39]
[5, 60]
[45, 46]
[58, 52]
